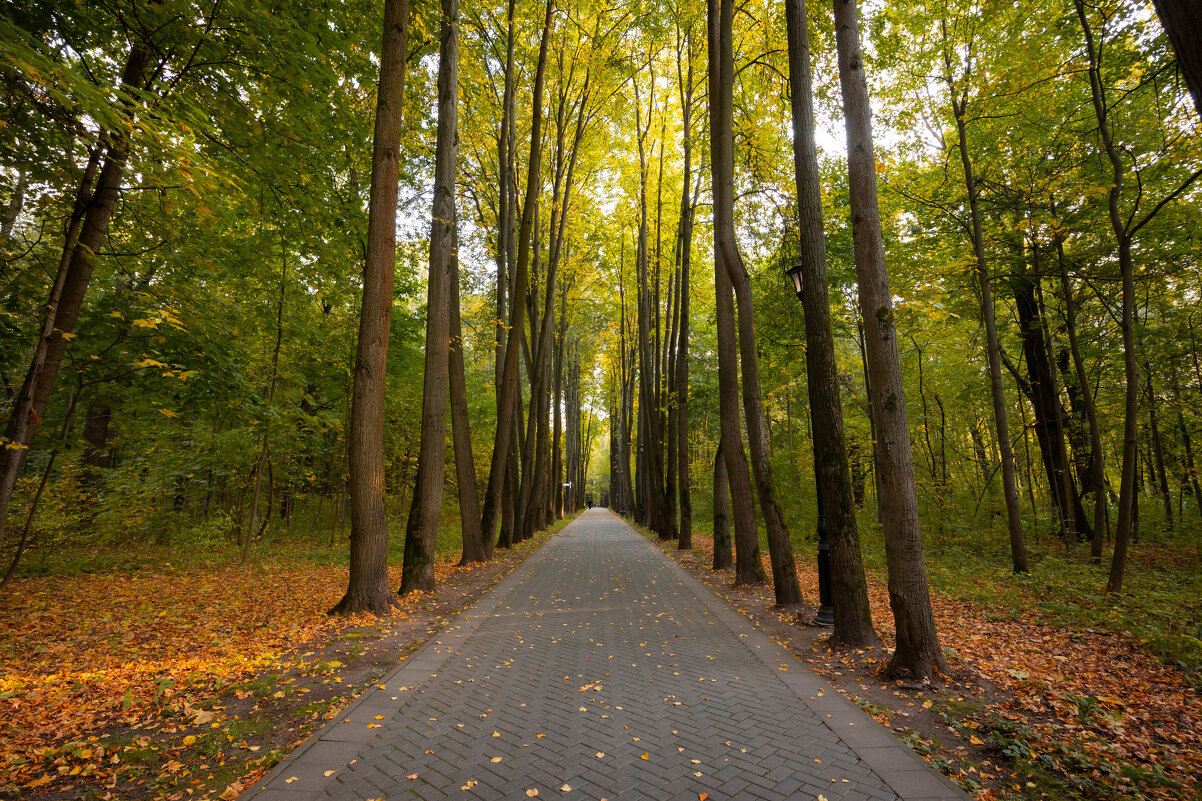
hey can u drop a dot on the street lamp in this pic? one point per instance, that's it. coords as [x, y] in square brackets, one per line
[826, 613]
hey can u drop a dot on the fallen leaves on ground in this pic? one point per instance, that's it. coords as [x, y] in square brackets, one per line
[100, 673]
[1086, 703]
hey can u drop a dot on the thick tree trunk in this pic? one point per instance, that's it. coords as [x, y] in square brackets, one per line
[1183, 24]
[368, 590]
[1042, 389]
[849, 590]
[421, 530]
[918, 652]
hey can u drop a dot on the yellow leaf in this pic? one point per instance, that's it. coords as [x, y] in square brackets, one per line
[646, 756]
[168, 413]
[531, 793]
[495, 760]
[702, 796]
[411, 776]
[566, 787]
[191, 738]
[975, 740]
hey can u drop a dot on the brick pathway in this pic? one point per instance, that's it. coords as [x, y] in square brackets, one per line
[600, 669]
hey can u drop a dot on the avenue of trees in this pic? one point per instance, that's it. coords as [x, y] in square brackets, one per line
[389, 270]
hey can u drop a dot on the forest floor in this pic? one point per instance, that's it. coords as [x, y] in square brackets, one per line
[191, 679]
[1030, 710]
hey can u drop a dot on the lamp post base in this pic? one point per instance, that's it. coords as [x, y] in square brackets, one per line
[825, 616]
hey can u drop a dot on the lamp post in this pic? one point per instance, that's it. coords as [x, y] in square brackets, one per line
[826, 613]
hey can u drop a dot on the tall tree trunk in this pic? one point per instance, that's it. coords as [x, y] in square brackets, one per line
[918, 652]
[1014, 518]
[726, 253]
[367, 590]
[1127, 272]
[421, 530]
[475, 549]
[84, 237]
[748, 568]
[1045, 403]
[651, 467]
[268, 399]
[1097, 455]
[685, 247]
[849, 590]
[509, 381]
[557, 472]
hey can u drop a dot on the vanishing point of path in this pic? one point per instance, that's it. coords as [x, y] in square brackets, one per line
[600, 669]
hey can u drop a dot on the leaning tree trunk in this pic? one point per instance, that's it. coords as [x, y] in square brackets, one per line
[509, 380]
[84, 238]
[917, 652]
[726, 251]
[748, 567]
[367, 589]
[421, 530]
[1014, 519]
[849, 591]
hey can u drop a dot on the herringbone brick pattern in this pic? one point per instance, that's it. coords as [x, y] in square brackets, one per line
[598, 671]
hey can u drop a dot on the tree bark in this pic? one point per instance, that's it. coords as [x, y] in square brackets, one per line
[918, 652]
[726, 251]
[722, 557]
[368, 590]
[475, 549]
[1096, 454]
[421, 530]
[509, 380]
[849, 591]
[685, 247]
[1183, 25]
[748, 568]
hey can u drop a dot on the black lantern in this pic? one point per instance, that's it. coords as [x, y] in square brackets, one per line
[794, 274]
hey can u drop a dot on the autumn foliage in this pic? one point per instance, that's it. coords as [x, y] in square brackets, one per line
[97, 668]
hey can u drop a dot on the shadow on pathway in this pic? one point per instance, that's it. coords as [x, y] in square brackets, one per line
[599, 669]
